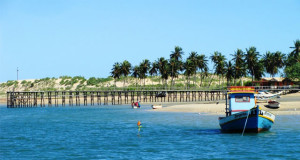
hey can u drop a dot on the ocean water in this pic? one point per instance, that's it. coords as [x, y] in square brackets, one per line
[111, 132]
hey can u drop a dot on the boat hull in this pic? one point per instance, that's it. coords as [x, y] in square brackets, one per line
[258, 120]
[156, 106]
[273, 104]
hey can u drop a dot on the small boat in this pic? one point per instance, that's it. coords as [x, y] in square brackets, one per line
[135, 105]
[265, 95]
[273, 104]
[243, 115]
[156, 106]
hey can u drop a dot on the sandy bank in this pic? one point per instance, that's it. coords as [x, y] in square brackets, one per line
[286, 107]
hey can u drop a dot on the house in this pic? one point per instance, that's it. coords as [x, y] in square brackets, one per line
[274, 82]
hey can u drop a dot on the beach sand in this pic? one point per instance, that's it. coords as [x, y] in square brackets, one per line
[289, 105]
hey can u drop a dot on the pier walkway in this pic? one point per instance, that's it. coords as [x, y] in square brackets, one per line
[77, 98]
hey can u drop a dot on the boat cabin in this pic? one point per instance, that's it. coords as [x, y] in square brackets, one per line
[241, 99]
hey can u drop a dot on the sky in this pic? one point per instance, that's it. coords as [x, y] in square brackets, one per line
[52, 38]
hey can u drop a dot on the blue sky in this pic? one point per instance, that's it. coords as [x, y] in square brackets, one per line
[51, 38]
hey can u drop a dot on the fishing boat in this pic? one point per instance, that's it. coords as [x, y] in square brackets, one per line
[156, 106]
[273, 104]
[242, 114]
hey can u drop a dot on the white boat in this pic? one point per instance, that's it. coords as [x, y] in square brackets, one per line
[156, 106]
[273, 104]
[264, 95]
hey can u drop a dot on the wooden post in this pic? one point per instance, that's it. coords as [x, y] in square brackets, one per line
[92, 98]
[105, 98]
[126, 97]
[49, 99]
[85, 98]
[99, 98]
[132, 96]
[77, 98]
[175, 96]
[113, 102]
[145, 96]
[70, 98]
[63, 98]
[56, 98]
[42, 99]
[151, 96]
[8, 103]
[119, 97]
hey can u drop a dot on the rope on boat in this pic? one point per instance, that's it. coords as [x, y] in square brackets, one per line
[246, 122]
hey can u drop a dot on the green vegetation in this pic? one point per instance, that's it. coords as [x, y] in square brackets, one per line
[293, 72]
[95, 81]
[10, 83]
[243, 64]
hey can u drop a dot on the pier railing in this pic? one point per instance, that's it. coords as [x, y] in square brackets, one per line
[77, 98]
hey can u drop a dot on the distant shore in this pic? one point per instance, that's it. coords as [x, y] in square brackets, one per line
[289, 105]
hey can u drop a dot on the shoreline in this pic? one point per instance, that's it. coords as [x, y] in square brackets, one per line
[289, 105]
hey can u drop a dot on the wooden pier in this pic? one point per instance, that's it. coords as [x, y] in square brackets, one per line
[85, 98]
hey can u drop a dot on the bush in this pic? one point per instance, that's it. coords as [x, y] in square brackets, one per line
[68, 88]
[77, 79]
[94, 81]
[2, 84]
[10, 83]
[65, 80]
[24, 82]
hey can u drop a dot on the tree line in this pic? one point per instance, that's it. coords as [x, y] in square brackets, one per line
[244, 63]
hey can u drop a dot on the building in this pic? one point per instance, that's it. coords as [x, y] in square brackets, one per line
[274, 82]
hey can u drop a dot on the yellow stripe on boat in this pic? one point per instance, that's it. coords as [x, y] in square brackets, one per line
[266, 118]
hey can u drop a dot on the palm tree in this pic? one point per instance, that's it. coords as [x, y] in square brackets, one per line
[153, 69]
[189, 67]
[136, 73]
[239, 64]
[175, 63]
[251, 58]
[193, 57]
[125, 70]
[219, 64]
[202, 65]
[269, 63]
[163, 69]
[294, 56]
[177, 53]
[279, 59]
[293, 62]
[144, 68]
[229, 72]
[116, 72]
[273, 62]
[259, 70]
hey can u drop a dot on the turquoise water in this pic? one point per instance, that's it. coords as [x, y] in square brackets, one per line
[110, 132]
